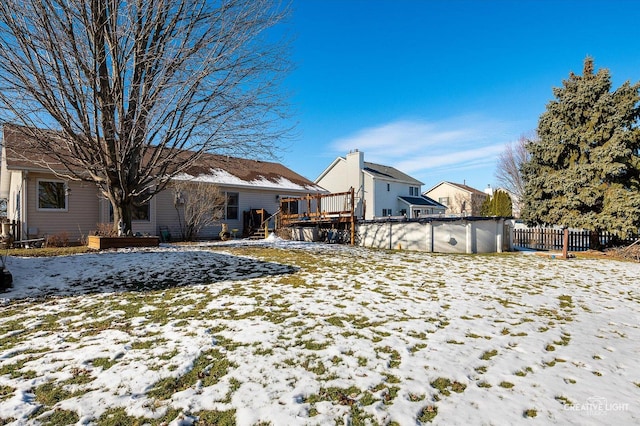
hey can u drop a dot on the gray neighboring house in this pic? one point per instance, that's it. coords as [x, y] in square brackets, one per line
[43, 204]
[380, 191]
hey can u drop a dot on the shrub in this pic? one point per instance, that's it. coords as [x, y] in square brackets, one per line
[60, 239]
[105, 230]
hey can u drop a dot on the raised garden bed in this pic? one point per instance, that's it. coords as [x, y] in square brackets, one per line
[102, 243]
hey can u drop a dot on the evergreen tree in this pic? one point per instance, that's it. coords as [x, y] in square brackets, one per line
[584, 171]
[497, 205]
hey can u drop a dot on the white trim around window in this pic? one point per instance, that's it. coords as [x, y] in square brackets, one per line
[52, 195]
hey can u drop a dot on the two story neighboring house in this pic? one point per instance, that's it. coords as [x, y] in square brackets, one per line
[459, 199]
[380, 191]
[42, 203]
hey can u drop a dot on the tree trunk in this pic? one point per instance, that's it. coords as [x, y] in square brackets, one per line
[122, 218]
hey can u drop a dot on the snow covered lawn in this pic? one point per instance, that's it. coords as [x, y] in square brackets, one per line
[299, 333]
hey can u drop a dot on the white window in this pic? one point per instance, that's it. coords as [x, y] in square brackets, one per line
[386, 212]
[444, 201]
[52, 195]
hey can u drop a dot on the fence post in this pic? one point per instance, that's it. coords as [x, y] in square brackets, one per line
[565, 244]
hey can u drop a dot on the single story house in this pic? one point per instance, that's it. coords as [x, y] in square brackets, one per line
[459, 198]
[381, 191]
[78, 209]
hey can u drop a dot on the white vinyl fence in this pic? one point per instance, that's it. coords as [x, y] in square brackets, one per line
[438, 235]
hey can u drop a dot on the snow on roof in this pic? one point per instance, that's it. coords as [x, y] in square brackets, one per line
[223, 177]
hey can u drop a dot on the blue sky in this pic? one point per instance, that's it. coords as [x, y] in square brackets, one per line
[437, 88]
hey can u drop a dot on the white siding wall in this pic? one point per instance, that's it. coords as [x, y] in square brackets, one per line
[76, 222]
[13, 204]
[369, 197]
[247, 199]
[335, 180]
[86, 209]
[389, 199]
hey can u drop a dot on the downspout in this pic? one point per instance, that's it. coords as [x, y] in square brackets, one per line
[22, 213]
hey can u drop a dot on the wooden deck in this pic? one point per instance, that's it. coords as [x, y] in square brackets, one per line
[324, 210]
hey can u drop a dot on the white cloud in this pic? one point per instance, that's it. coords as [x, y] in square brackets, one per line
[422, 148]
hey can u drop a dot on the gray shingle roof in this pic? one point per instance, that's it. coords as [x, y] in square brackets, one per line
[421, 201]
[387, 172]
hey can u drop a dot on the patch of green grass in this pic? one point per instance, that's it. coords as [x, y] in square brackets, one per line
[390, 395]
[390, 378]
[48, 251]
[477, 336]
[427, 414]
[531, 412]
[119, 417]
[454, 342]
[483, 384]
[14, 370]
[168, 355]
[565, 338]
[315, 366]
[565, 301]
[549, 348]
[209, 367]
[342, 396]
[522, 373]
[394, 356]
[444, 385]
[506, 385]
[60, 417]
[563, 400]
[263, 351]
[335, 321]
[50, 393]
[234, 385]
[487, 355]
[413, 397]
[417, 347]
[216, 418]
[147, 344]
[481, 369]
[314, 346]
[367, 398]
[6, 392]
[105, 363]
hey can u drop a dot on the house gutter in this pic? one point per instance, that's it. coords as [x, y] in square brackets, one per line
[22, 212]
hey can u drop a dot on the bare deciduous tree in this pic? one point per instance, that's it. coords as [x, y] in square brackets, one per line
[138, 90]
[198, 204]
[508, 170]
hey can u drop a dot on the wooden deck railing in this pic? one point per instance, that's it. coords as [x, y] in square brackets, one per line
[318, 208]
